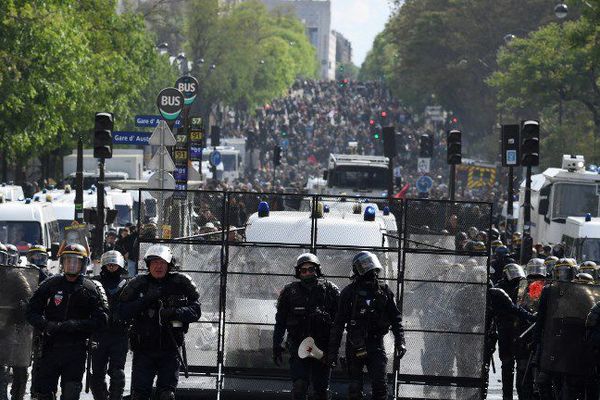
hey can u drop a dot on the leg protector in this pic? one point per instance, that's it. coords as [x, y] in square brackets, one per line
[507, 378]
[98, 387]
[4, 383]
[71, 390]
[299, 389]
[19, 384]
[117, 384]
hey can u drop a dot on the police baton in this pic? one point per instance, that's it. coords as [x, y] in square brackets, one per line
[526, 331]
[88, 365]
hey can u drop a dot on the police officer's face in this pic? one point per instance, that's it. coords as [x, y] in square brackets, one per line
[112, 267]
[71, 265]
[307, 270]
[158, 268]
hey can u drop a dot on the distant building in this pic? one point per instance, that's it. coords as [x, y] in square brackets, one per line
[343, 49]
[316, 16]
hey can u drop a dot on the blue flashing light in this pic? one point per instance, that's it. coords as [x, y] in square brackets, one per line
[263, 209]
[386, 210]
[44, 190]
[326, 208]
[588, 217]
[369, 213]
[36, 198]
[28, 200]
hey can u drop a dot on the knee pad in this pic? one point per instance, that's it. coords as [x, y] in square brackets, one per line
[71, 390]
[166, 395]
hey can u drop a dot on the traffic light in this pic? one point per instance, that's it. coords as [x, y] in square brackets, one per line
[371, 122]
[454, 142]
[276, 156]
[103, 141]
[389, 141]
[215, 135]
[426, 146]
[530, 143]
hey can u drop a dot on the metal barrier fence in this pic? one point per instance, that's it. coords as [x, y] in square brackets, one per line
[240, 261]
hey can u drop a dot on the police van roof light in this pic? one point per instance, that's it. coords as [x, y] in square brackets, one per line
[28, 200]
[369, 213]
[263, 209]
[326, 208]
[588, 217]
[386, 210]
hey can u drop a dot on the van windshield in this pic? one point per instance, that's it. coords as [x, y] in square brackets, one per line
[574, 200]
[590, 250]
[123, 216]
[359, 177]
[20, 232]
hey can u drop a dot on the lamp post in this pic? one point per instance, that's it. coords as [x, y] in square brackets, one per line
[561, 11]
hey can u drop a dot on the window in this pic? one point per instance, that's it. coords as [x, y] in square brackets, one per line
[574, 200]
[123, 214]
[359, 178]
[590, 250]
[21, 232]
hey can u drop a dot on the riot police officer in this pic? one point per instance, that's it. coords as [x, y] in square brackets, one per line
[37, 256]
[306, 308]
[16, 287]
[590, 267]
[67, 308]
[549, 263]
[563, 358]
[499, 260]
[13, 255]
[161, 305]
[367, 310]
[509, 328]
[111, 345]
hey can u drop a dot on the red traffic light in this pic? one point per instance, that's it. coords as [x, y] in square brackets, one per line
[383, 114]
[454, 120]
[371, 122]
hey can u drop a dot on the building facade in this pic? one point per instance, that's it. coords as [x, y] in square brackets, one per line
[343, 49]
[316, 16]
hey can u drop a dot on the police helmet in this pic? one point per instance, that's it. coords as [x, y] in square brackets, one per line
[112, 257]
[495, 244]
[461, 236]
[589, 267]
[13, 255]
[478, 246]
[495, 234]
[471, 263]
[513, 271]
[473, 231]
[74, 259]
[535, 268]
[364, 262]
[307, 258]
[37, 255]
[549, 262]
[3, 255]
[585, 278]
[501, 251]
[564, 270]
[558, 250]
[158, 251]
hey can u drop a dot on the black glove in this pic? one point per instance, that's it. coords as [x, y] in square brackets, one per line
[153, 294]
[400, 351]
[278, 355]
[168, 314]
[53, 327]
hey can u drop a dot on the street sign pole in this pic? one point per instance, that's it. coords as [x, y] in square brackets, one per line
[79, 183]
[99, 242]
[509, 203]
[452, 186]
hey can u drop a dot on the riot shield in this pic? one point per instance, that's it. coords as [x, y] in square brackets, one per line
[17, 285]
[564, 328]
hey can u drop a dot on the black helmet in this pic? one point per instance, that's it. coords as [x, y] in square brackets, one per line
[73, 251]
[589, 267]
[564, 270]
[3, 255]
[307, 258]
[536, 268]
[364, 262]
[37, 255]
[13, 254]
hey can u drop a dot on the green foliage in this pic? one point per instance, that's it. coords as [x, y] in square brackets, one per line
[447, 48]
[61, 61]
[257, 54]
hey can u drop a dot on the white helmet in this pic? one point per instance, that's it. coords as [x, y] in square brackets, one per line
[159, 251]
[112, 257]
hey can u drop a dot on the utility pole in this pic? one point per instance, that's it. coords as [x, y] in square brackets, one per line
[79, 183]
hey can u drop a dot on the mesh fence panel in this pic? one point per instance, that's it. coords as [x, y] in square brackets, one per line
[443, 301]
[338, 262]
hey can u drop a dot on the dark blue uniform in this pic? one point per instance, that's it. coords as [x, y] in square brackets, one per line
[306, 309]
[66, 313]
[153, 305]
[367, 310]
[111, 344]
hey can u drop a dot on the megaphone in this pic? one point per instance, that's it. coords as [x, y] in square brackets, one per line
[308, 348]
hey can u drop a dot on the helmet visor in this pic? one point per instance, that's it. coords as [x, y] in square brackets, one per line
[39, 259]
[71, 264]
[367, 262]
[563, 274]
[513, 272]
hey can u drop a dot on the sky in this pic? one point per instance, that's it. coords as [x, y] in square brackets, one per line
[359, 21]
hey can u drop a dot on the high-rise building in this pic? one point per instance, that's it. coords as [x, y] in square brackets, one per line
[343, 49]
[316, 16]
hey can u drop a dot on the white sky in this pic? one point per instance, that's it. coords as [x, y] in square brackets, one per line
[359, 21]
